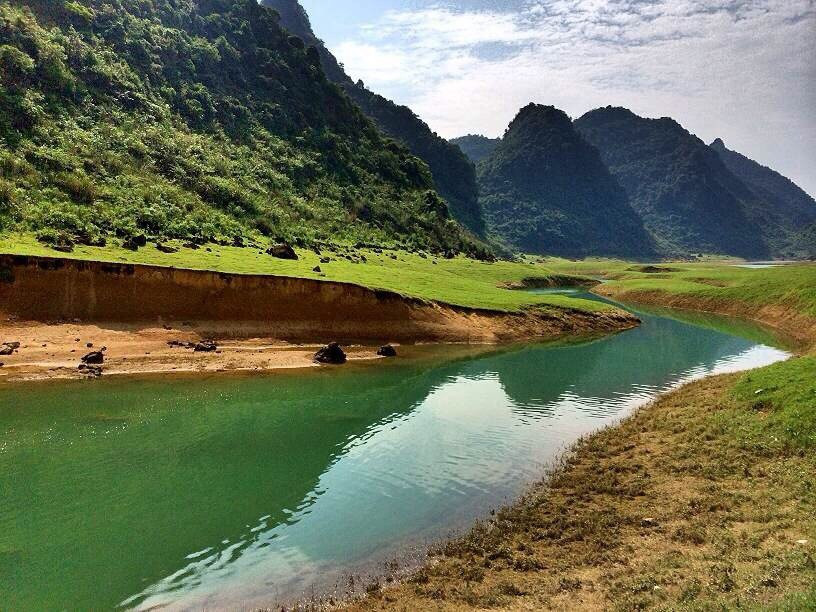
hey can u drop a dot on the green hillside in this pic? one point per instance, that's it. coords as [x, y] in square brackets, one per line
[203, 121]
[453, 174]
[786, 208]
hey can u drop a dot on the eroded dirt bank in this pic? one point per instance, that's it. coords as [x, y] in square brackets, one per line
[55, 307]
[785, 317]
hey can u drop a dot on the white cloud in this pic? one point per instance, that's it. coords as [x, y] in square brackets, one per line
[744, 70]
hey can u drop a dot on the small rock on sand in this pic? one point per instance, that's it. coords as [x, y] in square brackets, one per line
[94, 371]
[7, 348]
[181, 344]
[206, 346]
[331, 354]
[95, 357]
[387, 351]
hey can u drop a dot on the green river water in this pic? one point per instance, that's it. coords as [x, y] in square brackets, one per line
[242, 492]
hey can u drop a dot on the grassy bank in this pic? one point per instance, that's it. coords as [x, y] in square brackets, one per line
[705, 500]
[459, 281]
[782, 297]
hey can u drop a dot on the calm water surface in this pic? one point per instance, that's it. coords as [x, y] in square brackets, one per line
[242, 492]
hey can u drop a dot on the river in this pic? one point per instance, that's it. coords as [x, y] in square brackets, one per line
[226, 492]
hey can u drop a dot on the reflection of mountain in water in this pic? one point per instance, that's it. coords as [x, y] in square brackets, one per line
[650, 356]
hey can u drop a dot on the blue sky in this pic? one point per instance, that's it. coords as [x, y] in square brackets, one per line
[742, 70]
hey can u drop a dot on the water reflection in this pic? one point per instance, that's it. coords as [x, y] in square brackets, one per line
[217, 492]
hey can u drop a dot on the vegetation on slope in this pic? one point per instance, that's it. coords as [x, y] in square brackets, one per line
[786, 205]
[453, 174]
[196, 120]
[687, 197]
[476, 147]
[803, 244]
[545, 190]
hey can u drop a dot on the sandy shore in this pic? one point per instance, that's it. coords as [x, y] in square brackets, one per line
[54, 351]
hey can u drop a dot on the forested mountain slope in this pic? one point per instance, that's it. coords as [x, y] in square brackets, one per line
[785, 207]
[202, 120]
[689, 200]
[453, 174]
[545, 190]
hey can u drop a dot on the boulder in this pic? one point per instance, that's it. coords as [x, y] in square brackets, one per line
[63, 247]
[165, 248]
[331, 354]
[94, 358]
[8, 348]
[282, 251]
[134, 243]
[387, 351]
[206, 346]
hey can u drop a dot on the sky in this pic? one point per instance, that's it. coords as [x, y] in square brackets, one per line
[740, 70]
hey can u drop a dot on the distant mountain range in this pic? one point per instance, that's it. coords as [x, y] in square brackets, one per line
[476, 147]
[691, 198]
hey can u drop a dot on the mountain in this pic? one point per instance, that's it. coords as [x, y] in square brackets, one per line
[476, 147]
[197, 120]
[785, 205]
[688, 198]
[802, 244]
[545, 190]
[453, 173]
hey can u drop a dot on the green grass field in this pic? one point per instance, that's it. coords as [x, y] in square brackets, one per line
[466, 282]
[792, 286]
[459, 281]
